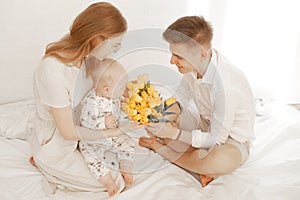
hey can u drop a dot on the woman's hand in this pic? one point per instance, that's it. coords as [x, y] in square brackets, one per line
[128, 126]
[163, 130]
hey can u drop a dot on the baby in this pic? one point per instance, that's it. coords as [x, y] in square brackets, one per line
[101, 109]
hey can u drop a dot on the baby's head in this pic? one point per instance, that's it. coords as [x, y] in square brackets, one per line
[109, 77]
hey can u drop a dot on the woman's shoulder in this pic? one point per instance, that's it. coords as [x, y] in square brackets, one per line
[49, 64]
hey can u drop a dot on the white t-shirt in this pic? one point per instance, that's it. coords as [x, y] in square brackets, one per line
[53, 86]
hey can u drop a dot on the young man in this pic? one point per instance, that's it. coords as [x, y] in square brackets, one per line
[214, 138]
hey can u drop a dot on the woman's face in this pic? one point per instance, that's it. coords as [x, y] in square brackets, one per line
[104, 48]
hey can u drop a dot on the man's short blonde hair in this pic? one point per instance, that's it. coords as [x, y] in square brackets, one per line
[190, 28]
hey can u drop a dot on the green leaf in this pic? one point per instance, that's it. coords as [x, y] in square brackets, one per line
[164, 120]
[168, 113]
[159, 108]
[154, 119]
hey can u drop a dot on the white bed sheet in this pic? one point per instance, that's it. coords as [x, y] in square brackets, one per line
[271, 172]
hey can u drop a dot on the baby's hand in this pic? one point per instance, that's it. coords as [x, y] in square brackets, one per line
[110, 121]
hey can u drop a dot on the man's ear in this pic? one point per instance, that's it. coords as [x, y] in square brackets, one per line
[203, 54]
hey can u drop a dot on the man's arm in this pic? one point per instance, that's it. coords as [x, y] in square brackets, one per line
[224, 105]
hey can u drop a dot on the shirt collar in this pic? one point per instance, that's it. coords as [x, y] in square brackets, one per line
[210, 71]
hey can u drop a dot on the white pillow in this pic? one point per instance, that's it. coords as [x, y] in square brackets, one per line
[15, 119]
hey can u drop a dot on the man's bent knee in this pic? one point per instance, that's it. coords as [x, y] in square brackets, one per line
[223, 159]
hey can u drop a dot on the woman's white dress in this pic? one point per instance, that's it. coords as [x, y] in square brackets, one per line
[58, 159]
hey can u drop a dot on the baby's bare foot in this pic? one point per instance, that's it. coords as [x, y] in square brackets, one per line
[126, 167]
[109, 183]
[128, 177]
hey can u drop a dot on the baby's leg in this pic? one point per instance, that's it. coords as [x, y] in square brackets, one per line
[99, 170]
[126, 170]
[125, 148]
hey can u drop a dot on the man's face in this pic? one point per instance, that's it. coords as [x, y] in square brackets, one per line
[184, 57]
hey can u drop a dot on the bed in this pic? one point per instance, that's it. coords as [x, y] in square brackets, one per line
[271, 172]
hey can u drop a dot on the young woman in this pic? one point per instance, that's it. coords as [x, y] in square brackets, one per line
[97, 31]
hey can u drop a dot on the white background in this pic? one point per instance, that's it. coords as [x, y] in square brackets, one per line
[261, 37]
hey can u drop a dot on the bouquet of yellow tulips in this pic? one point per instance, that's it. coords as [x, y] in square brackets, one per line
[144, 103]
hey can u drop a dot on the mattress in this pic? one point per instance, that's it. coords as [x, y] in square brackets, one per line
[271, 171]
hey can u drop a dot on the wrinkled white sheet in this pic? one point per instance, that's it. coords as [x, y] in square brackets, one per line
[271, 172]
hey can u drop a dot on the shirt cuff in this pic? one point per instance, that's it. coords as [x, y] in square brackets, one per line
[202, 139]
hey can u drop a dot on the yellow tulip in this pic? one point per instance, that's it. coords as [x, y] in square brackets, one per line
[142, 79]
[143, 104]
[138, 108]
[144, 95]
[155, 94]
[150, 89]
[152, 104]
[130, 86]
[140, 86]
[137, 117]
[132, 112]
[131, 104]
[145, 112]
[156, 102]
[170, 101]
[144, 120]
[125, 107]
[137, 98]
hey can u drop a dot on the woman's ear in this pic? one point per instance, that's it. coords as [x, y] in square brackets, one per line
[96, 40]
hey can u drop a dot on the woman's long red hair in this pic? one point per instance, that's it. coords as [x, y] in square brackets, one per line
[101, 20]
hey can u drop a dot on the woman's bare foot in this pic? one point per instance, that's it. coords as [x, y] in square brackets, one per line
[31, 161]
[205, 180]
[109, 183]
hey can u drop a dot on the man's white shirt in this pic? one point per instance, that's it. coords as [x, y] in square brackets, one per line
[224, 98]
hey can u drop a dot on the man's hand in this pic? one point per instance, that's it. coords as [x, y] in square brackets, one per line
[129, 126]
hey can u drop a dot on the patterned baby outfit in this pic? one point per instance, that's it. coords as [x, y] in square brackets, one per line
[94, 111]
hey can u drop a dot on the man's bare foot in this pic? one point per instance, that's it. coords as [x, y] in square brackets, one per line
[151, 143]
[31, 161]
[205, 180]
[109, 183]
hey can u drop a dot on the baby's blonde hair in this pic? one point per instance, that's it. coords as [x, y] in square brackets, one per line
[103, 72]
